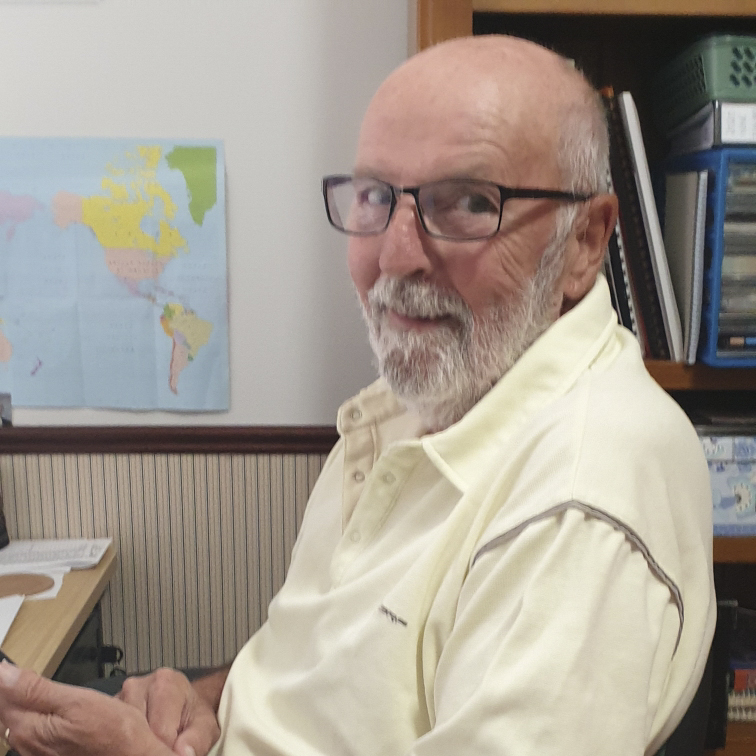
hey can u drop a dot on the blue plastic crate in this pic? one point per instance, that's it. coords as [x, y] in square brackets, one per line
[724, 342]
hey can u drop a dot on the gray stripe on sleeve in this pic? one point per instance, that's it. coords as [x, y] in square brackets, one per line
[598, 514]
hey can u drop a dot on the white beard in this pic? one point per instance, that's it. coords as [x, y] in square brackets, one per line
[442, 372]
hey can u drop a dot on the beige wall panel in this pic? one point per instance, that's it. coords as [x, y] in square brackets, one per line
[203, 540]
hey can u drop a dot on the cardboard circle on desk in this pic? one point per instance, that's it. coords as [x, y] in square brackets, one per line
[24, 584]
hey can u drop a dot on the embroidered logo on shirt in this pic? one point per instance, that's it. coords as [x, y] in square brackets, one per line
[396, 619]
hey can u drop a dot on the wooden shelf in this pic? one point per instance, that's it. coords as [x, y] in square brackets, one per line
[675, 376]
[620, 7]
[735, 550]
[741, 740]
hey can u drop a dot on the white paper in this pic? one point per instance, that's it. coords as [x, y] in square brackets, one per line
[9, 607]
[738, 123]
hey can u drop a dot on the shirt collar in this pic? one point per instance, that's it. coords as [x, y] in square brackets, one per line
[547, 370]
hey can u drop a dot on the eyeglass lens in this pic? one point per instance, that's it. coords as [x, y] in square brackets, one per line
[454, 209]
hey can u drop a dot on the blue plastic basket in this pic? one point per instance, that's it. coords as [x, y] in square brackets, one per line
[724, 342]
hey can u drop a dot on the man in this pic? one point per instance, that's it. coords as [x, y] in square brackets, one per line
[508, 551]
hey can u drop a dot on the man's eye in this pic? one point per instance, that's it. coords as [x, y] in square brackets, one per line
[479, 203]
[374, 196]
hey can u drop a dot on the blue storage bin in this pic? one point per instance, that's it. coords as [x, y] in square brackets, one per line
[728, 326]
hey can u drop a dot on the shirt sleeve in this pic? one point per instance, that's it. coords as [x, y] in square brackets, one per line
[560, 647]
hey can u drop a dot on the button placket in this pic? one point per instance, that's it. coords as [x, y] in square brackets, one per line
[359, 450]
[378, 495]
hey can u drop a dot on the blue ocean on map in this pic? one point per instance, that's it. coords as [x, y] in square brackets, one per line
[113, 274]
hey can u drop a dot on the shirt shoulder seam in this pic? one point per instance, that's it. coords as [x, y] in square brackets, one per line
[617, 524]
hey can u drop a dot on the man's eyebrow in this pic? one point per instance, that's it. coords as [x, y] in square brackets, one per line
[465, 175]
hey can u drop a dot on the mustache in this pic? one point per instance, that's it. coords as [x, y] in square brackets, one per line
[414, 298]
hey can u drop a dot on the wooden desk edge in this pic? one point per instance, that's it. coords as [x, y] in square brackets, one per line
[80, 592]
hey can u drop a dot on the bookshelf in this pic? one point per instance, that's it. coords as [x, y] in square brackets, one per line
[623, 43]
[741, 740]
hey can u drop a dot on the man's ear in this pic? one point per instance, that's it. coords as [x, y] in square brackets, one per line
[586, 248]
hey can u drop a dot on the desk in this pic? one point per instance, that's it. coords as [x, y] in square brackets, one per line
[44, 630]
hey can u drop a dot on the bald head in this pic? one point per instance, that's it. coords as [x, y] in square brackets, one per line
[529, 99]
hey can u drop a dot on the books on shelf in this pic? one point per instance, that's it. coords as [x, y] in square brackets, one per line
[741, 707]
[618, 276]
[684, 229]
[643, 282]
[670, 314]
[741, 704]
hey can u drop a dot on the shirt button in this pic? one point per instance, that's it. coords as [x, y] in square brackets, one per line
[388, 479]
[355, 414]
[355, 537]
[359, 476]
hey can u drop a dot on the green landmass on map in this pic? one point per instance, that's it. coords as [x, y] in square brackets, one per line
[198, 166]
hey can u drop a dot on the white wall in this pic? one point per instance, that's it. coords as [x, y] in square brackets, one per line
[284, 83]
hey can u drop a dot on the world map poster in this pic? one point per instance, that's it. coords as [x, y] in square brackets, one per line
[113, 274]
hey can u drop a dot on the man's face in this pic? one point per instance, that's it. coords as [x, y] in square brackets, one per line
[447, 319]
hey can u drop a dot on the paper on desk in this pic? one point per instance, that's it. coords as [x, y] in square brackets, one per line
[53, 554]
[9, 607]
[57, 576]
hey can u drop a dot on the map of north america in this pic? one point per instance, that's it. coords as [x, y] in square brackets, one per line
[154, 224]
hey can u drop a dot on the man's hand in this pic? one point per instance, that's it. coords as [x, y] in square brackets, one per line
[179, 713]
[50, 719]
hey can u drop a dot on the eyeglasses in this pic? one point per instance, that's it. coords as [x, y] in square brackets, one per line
[453, 209]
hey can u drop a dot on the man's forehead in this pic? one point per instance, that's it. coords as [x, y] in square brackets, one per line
[452, 128]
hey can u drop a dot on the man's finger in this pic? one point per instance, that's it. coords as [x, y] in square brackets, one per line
[199, 737]
[21, 688]
[134, 692]
[166, 704]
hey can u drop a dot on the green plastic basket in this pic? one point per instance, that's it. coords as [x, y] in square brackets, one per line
[718, 67]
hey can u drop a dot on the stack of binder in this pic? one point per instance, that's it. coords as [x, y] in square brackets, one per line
[636, 265]
[706, 104]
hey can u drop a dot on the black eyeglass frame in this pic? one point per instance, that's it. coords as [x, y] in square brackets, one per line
[505, 193]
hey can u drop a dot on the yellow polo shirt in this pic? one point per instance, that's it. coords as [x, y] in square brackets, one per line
[535, 579]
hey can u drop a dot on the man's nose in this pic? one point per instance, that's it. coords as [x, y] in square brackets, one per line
[405, 249]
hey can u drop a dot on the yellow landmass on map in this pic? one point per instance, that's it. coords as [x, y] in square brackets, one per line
[116, 217]
[129, 198]
[189, 333]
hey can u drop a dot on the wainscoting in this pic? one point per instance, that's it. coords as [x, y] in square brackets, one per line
[203, 539]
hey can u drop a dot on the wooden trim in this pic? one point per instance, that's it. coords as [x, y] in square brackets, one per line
[438, 20]
[622, 7]
[734, 550]
[741, 740]
[675, 376]
[168, 440]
